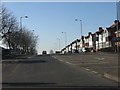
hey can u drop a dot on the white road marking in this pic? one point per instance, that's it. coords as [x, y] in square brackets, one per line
[90, 70]
[94, 72]
[29, 57]
[68, 62]
[60, 60]
[87, 69]
[99, 58]
[63, 61]
[80, 63]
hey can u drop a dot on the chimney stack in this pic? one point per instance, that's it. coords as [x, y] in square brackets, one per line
[89, 33]
[100, 28]
[116, 21]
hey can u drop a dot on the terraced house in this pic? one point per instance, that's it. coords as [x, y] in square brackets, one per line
[116, 38]
[104, 39]
[113, 29]
[88, 41]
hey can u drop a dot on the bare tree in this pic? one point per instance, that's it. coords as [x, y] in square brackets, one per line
[12, 36]
[28, 41]
[9, 25]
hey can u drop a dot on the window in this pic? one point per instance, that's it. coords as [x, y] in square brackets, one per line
[118, 34]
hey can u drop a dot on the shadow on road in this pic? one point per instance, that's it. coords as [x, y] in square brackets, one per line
[25, 61]
[26, 83]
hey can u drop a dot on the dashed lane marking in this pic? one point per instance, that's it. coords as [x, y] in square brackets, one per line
[29, 57]
[63, 61]
[87, 69]
[68, 62]
[60, 60]
[75, 64]
[94, 72]
[90, 70]
[99, 58]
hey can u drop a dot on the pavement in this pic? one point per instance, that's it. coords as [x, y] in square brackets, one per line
[103, 64]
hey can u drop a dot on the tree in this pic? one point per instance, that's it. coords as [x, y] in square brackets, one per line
[12, 36]
[51, 52]
[8, 25]
[28, 42]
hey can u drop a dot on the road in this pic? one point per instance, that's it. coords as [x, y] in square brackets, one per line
[46, 71]
[100, 62]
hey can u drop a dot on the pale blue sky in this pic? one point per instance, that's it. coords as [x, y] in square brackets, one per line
[49, 19]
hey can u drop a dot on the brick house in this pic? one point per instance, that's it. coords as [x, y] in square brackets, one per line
[117, 37]
[88, 41]
[99, 39]
[113, 31]
[106, 38]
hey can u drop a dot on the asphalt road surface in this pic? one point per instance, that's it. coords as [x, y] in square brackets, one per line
[45, 71]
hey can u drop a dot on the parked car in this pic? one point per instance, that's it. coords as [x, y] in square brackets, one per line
[76, 51]
[57, 52]
[87, 50]
[84, 50]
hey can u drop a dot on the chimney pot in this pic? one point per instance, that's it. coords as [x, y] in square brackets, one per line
[116, 21]
[100, 28]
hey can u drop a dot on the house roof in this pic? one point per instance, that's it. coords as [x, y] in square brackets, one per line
[100, 31]
[88, 35]
[113, 27]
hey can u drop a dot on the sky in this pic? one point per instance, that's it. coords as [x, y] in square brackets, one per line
[50, 19]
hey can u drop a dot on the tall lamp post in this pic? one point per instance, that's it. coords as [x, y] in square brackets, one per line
[55, 46]
[21, 22]
[21, 26]
[81, 29]
[65, 38]
[59, 42]
[80, 24]
[117, 29]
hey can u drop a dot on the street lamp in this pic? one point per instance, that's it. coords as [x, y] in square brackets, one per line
[21, 26]
[65, 38]
[21, 22]
[55, 46]
[117, 11]
[81, 25]
[59, 42]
